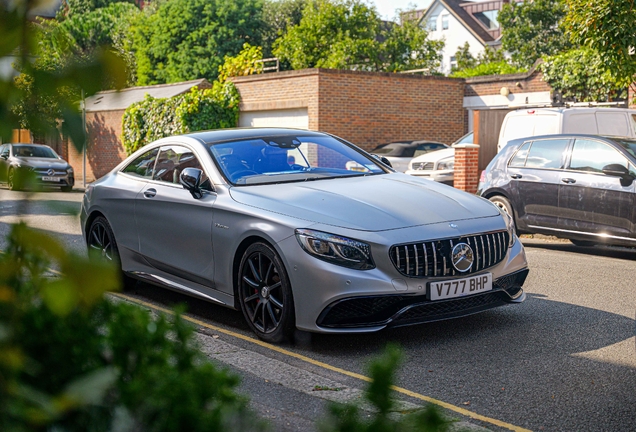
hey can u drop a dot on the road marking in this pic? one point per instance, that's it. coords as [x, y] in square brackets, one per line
[320, 364]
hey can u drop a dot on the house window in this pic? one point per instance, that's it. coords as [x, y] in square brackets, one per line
[444, 22]
[453, 63]
[432, 24]
[488, 19]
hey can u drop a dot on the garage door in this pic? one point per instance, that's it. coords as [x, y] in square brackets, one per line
[294, 118]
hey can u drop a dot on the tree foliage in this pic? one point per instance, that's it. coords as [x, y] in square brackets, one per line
[72, 8]
[532, 29]
[278, 17]
[582, 75]
[609, 28]
[188, 39]
[488, 62]
[348, 34]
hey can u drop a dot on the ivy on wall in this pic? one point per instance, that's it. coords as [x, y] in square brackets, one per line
[154, 118]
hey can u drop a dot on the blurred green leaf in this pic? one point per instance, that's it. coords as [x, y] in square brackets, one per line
[91, 388]
[60, 296]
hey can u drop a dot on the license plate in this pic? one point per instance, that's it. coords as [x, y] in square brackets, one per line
[51, 179]
[460, 287]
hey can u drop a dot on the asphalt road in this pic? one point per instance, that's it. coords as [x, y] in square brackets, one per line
[565, 360]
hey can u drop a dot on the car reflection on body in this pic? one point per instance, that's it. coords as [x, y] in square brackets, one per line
[34, 164]
[270, 222]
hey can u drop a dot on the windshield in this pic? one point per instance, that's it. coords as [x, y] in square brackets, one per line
[290, 158]
[629, 145]
[392, 149]
[33, 151]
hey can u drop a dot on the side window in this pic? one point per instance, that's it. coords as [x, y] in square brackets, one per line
[519, 160]
[542, 154]
[143, 165]
[408, 152]
[174, 159]
[592, 156]
[445, 22]
[4, 151]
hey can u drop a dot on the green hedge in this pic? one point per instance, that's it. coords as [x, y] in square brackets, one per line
[154, 118]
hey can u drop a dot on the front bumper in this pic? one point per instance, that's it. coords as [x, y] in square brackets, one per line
[398, 310]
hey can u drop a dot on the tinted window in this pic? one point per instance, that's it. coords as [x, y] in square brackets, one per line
[592, 156]
[426, 148]
[143, 165]
[172, 160]
[394, 149]
[4, 150]
[546, 154]
[33, 151]
[520, 157]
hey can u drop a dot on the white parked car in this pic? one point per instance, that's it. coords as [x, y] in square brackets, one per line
[438, 165]
[399, 154]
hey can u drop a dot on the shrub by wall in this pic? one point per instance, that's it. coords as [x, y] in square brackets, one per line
[154, 118]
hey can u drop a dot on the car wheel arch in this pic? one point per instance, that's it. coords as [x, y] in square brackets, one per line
[91, 217]
[236, 262]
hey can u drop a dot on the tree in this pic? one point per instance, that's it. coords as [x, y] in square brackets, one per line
[71, 8]
[188, 39]
[609, 27]
[489, 62]
[531, 30]
[278, 17]
[583, 75]
[348, 34]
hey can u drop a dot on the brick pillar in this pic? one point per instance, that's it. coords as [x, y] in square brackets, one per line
[466, 167]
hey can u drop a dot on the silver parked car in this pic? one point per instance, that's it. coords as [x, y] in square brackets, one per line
[34, 164]
[270, 222]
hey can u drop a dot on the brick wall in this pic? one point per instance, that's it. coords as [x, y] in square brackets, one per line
[105, 149]
[363, 107]
[532, 81]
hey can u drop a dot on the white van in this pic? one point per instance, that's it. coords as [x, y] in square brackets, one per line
[546, 121]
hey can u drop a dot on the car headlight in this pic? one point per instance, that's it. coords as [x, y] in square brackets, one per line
[446, 164]
[335, 249]
[69, 170]
[510, 226]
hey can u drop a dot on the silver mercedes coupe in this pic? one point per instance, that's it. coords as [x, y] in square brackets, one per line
[271, 222]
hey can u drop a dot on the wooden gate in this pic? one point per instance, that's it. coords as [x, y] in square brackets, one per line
[487, 124]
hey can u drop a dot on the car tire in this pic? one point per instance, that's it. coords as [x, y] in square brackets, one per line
[504, 205]
[265, 294]
[12, 180]
[101, 244]
[583, 243]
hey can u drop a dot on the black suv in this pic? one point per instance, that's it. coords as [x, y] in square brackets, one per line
[579, 187]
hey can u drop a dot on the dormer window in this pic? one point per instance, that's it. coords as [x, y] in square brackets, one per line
[488, 19]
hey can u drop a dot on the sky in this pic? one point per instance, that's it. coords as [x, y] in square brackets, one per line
[386, 8]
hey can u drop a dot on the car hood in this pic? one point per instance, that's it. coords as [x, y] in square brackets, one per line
[36, 162]
[371, 203]
[434, 156]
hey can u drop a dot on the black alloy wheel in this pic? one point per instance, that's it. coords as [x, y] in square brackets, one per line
[102, 245]
[265, 294]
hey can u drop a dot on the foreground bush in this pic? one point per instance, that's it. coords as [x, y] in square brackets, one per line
[71, 360]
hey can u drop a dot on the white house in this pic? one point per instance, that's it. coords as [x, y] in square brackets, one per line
[461, 21]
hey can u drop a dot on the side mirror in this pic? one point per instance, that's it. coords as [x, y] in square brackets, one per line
[190, 179]
[4, 156]
[618, 170]
[384, 160]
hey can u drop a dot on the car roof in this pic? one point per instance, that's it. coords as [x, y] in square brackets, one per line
[220, 135]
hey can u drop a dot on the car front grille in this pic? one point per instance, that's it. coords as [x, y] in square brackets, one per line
[45, 172]
[434, 258]
[422, 166]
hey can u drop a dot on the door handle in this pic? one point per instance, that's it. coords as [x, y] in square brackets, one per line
[516, 176]
[568, 180]
[150, 193]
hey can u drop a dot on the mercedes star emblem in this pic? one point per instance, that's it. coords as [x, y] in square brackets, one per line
[462, 257]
